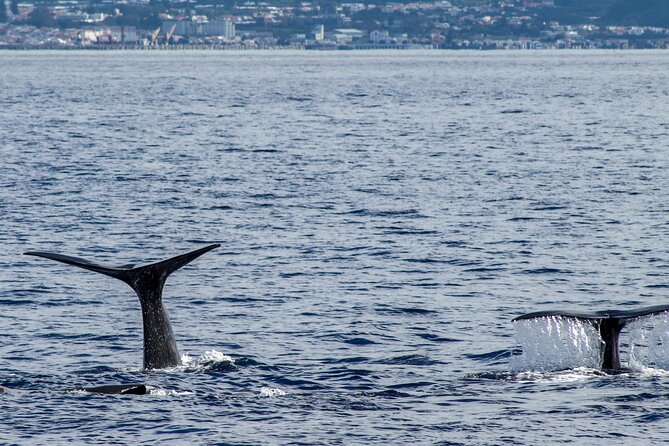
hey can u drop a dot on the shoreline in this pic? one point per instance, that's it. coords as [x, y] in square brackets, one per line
[21, 47]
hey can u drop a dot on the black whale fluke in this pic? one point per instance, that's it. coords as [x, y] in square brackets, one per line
[160, 348]
[609, 323]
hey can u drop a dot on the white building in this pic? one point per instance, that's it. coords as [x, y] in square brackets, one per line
[126, 34]
[109, 34]
[224, 28]
[347, 35]
[319, 32]
[377, 36]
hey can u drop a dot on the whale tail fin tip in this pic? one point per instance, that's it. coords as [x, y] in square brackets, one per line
[117, 272]
[167, 267]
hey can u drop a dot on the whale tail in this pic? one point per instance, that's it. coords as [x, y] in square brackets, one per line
[160, 349]
[133, 276]
[608, 323]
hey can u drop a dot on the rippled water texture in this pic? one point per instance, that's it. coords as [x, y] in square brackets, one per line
[383, 217]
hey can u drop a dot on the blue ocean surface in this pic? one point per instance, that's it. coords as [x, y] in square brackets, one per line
[383, 216]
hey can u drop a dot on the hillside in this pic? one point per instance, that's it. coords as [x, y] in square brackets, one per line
[639, 12]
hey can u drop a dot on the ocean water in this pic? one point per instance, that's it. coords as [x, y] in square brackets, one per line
[383, 216]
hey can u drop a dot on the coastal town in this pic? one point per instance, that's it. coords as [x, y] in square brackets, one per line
[319, 24]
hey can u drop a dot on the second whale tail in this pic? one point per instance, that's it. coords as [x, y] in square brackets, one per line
[608, 323]
[160, 348]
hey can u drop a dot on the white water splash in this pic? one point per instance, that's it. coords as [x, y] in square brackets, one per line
[206, 359]
[556, 343]
[272, 392]
[163, 392]
[560, 377]
[648, 343]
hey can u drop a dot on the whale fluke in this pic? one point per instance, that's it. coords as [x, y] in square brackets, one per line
[119, 389]
[609, 323]
[160, 348]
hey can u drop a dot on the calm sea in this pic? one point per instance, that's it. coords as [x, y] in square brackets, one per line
[383, 216]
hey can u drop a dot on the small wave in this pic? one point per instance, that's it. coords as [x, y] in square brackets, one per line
[436, 338]
[289, 275]
[299, 98]
[352, 360]
[522, 219]
[546, 271]
[652, 418]
[389, 394]
[408, 231]
[103, 369]
[587, 148]
[426, 260]
[355, 95]
[490, 356]
[303, 384]
[549, 208]
[412, 311]
[490, 269]
[408, 360]
[352, 377]
[359, 341]
[387, 213]
[411, 385]
[635, 397]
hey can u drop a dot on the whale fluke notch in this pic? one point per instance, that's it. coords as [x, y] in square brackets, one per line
[160, 348]
[609, 323]
[119, 389]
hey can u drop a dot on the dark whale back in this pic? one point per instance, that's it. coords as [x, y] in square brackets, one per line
[119, 389]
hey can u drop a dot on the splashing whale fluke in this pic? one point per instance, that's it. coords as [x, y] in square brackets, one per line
[160, 347]
[608, 323]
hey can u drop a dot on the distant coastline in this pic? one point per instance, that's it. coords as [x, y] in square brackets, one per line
[291, 47]
[310, 25]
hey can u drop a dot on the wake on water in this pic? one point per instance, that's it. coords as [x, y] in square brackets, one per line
[210, 361]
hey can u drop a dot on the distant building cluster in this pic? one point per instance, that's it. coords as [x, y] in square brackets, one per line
[498, 24]
[199, 26]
